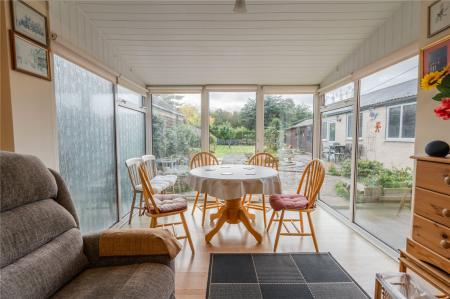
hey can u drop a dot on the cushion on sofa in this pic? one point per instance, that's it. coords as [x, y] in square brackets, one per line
[131, 281]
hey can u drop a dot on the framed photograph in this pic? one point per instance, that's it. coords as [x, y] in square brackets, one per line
[29, 57]
[29, 22]
[438, 17]
[435, 56]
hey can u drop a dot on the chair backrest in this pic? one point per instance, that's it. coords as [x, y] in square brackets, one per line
[133, 172]
[264, 159]
[203, 159]
[311, 181]
[150, 165]
[147, 189]
[41, 244]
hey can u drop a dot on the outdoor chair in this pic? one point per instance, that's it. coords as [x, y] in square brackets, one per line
[136, 186]
[152, 172]
[266, 160]
[164, 205]
[198, 160]
[304, 201]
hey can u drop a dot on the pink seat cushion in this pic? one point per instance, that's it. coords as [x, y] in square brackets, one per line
[169, 203]
[288, 201]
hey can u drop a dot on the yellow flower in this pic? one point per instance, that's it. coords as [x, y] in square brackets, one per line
[431, 80]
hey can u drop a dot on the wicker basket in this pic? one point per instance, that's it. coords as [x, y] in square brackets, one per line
[399, 286]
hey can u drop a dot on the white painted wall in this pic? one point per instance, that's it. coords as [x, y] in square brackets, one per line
[400, 30]
[428, 126]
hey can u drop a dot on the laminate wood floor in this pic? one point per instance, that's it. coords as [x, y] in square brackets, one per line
[359, 257]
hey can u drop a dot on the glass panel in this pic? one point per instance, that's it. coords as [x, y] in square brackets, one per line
[409, 121]
[124, 94]
[336, 152]
[349, 125]
[85, 117]
[288, 127]
[332, 134]
[131, 128]
[342, 93]
[394, 122]
[232, 125]
[176, 135]
[384, 176]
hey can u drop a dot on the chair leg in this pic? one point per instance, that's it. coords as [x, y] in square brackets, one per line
[271, 219]
[280, 223]
[152, 222]
[204, 209]
[301, 221]
[140, 204]
[244, 198]
[264, 210]
[195, 202]
[132, 206]
[188, 234]
[313, 233]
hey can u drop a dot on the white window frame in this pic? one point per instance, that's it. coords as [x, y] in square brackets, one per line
[327, 137]
[400, 138]
[360, 124]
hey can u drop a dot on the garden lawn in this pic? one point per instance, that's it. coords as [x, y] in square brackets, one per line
[222, 150]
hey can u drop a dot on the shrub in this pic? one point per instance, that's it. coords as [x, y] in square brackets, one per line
[333, 170]
[341, 190]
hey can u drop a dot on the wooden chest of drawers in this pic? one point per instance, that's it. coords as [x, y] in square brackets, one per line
[428, 249]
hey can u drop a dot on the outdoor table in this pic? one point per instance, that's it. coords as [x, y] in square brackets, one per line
[230, 183]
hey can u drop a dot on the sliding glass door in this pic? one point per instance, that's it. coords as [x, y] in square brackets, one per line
[176, 135]
[288, 134]
[131, 139]
[86, 136]
[386, 142]
[232, 125]
[336, 147]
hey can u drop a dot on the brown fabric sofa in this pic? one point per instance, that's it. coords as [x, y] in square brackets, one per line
[43, 253]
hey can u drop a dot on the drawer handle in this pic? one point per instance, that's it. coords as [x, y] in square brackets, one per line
[445, 244]
[445, 212]
[447, 179]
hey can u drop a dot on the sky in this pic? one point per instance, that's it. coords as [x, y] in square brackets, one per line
[395, 74]
[234, 101]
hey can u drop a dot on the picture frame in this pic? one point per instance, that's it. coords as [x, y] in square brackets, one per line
[29, 57]
[29, 22]
[438, 17]
[435, 56]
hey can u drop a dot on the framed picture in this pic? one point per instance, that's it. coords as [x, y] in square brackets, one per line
[29, 22]
[438, 17]
[435, 56]
[29, 57]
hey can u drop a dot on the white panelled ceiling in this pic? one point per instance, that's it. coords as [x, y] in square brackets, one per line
[204, 42]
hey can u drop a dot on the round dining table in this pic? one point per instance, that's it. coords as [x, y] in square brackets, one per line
[230, 182]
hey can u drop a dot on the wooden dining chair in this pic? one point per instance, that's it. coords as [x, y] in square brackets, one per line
[304, 201]
[164, 205]
[133, 173]
[152, 172]
[266, 160]
[198, 160]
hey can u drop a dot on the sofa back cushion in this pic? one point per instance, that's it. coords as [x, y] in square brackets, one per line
[41, 245]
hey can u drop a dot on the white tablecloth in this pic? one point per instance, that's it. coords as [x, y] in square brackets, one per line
[234, 181]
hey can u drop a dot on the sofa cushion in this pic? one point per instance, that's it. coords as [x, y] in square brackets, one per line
[45, 270]
[131, 281]
[25, 179]
[26, 228]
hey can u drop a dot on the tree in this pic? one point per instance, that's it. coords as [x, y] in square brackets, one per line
[191, 115]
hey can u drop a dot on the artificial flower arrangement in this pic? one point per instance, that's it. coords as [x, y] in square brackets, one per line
[441, 81]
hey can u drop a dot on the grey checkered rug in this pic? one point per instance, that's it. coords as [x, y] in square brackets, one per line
[278, 275]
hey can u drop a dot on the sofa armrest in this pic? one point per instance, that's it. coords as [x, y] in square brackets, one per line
[130, 246]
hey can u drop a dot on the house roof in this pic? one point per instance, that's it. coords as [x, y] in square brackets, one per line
[406, 90]
[396, 94]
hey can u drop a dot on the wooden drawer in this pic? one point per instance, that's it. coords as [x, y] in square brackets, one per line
[432, 235]
[433, 176]
[426, 255]
[432, 205]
